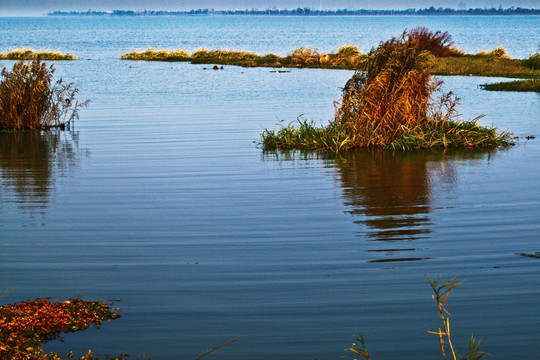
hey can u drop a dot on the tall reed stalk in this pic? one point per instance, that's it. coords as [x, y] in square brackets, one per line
[441, 291]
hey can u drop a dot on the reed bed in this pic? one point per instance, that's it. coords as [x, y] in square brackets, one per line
[347, 57]
[446, 59]
[29, 99]
[482, 65]
[531, 85]
[389, 105]
[29, 54]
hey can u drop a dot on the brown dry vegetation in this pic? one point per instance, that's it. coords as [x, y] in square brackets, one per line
[388, 105]
[29, 99]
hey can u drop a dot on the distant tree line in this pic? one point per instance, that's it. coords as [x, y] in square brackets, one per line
[306, 12]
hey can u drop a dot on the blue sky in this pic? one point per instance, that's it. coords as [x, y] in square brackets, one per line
[38, 7]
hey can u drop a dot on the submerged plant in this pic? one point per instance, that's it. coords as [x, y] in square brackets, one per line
[29, 99]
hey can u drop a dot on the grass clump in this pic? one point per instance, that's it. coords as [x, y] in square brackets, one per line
[533, 61]
[531, 85]
[157, 55]
[441, 291]
[499, 52]
[29, 99]
[29, 54]
[388, 105]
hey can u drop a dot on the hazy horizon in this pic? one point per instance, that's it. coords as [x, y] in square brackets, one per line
[37, 7]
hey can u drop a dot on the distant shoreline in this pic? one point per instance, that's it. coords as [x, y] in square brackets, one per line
[432, 11]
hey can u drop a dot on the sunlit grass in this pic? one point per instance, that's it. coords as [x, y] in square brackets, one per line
[29, 54]
[479, 65]
[531, 85]
[390, 105]
[447, 60]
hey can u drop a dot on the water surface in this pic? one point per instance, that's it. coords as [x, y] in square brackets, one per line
[162, 197]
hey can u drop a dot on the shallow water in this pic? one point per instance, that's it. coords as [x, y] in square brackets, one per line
[162, 197]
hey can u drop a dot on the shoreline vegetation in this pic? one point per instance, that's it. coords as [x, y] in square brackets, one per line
[393, 103]
[431, 11]
[494, 63]
[29, 54]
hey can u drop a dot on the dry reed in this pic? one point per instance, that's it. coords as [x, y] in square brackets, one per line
[388, 105]
[30, 100]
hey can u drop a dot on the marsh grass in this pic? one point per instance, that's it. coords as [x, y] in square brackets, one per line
[30, 99]
[531, 85]
[389, 105]
[29, 54]
[347, 57]
[533, 61]
[438, 46]
[480, 65]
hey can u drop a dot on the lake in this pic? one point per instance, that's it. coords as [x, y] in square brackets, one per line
[161, 196]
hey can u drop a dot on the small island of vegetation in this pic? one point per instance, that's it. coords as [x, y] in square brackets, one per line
[30, 100]
[389, 105]
[29, 54]
[450, 61]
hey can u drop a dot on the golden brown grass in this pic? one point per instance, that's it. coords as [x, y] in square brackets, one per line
[29, 99]
[347, 57]
[388, 105]
[29, 54]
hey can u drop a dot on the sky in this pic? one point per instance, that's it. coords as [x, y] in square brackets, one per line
[39, 7]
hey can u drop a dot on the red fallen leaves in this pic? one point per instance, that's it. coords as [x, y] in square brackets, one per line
[25, 326]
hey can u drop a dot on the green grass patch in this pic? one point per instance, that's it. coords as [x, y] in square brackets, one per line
[531, 85]
[29, 54]
[307, 135]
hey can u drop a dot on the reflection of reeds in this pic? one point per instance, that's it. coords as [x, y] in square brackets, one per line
[30, 100]
[29, 54]
[389, 191]
[28, 160]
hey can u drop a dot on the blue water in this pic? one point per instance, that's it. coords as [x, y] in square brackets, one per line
[162, 197]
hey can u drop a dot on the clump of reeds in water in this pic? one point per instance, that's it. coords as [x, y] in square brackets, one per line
[388, 105]
[157, 55]
[30, 99]
[29, 54]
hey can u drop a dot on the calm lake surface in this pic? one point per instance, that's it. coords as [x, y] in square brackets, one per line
[162, 197]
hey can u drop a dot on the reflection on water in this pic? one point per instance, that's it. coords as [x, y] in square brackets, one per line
[390, 194]
[30, 161]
